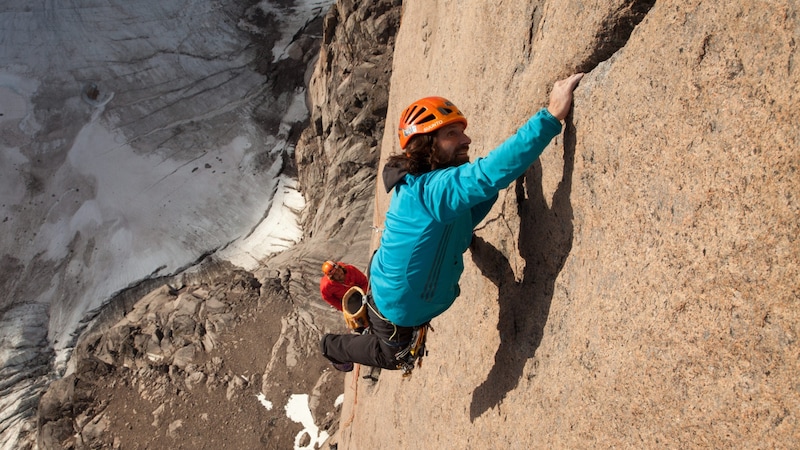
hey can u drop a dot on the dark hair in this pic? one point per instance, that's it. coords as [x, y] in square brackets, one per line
[418, 156]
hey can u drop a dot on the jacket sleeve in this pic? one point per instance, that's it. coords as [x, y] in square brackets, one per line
[328, 294]
[450, 192]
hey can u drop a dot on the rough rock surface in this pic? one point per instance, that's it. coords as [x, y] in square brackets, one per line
[638, 287]
[185, 365]
[195, 365]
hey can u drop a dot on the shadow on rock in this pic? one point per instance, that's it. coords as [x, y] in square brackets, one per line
[544, 243]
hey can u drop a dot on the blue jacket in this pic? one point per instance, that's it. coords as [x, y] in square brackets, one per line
[415, 272]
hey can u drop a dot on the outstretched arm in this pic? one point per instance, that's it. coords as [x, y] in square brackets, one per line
[561, 96]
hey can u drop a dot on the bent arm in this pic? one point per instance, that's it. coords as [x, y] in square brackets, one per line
[329, 294]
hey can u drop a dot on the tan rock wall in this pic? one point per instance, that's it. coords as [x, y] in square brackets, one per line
[638, 288]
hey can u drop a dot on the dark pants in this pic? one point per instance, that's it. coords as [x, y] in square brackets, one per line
[376, 349]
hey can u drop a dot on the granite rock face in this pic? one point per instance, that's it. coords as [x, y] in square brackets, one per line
[637, 287]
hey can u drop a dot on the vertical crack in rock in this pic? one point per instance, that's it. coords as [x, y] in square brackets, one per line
[615, 30]
[536, 19]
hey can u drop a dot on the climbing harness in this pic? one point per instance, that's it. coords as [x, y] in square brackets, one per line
[412, 353]
[415, 350]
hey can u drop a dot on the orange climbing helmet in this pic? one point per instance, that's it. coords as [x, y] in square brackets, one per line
[426, 115]
[328, 266]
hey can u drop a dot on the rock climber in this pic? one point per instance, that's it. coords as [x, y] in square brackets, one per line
[438, 197]
[337, 278]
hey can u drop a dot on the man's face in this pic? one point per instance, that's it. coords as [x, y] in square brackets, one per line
[336, 273]
[451, 146]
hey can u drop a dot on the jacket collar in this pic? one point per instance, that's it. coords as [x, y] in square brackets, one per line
[392, 176]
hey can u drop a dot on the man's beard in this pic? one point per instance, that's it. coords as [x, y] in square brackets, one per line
[461, 156]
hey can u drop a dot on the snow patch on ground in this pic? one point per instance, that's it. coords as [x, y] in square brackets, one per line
[264, 402]
[298, 411]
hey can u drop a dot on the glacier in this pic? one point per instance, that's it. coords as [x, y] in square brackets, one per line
[135, 137]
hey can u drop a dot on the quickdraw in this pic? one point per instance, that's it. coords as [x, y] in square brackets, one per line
[414, 352]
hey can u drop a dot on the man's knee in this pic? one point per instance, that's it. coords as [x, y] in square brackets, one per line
[323, 345]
